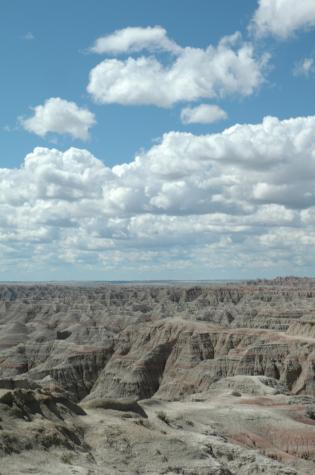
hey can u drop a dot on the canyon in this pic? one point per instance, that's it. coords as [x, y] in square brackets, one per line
[158, 378]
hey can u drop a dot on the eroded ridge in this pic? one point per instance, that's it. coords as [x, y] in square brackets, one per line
[158, 379]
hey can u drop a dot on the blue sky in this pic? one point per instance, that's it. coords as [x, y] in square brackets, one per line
[241, 201]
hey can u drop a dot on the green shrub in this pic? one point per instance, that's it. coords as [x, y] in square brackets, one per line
[66, 457]
[163, 417]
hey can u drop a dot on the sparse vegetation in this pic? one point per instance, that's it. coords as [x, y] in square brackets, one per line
[163, 417]
[236, 393]
[310, 412]
[66, 457]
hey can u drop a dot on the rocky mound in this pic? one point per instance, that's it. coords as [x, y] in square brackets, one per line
[123, 405]
[37, 419]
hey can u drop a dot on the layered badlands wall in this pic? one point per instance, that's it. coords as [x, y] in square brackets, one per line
[108, 346]
[137, 340]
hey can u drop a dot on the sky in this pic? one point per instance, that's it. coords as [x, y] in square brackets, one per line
[157, 140]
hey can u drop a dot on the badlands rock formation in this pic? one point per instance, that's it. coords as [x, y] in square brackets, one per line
[158, 379]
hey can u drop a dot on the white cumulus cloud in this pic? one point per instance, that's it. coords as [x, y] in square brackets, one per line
[231, 67]
[29, 36]
[202, 114]
[61, 117]
[282, 18]
[135, 39]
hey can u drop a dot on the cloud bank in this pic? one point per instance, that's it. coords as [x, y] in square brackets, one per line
[243, 198]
